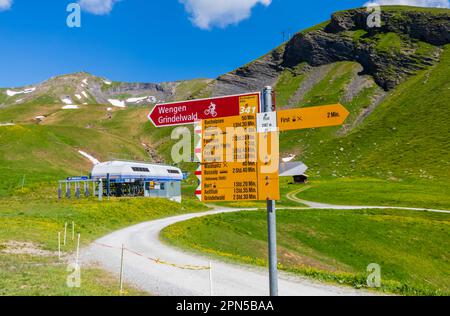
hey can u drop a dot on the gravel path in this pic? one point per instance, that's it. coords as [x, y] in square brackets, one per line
[163, 279]
[316, 205]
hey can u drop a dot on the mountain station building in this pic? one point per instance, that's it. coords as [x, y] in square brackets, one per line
[129, 179]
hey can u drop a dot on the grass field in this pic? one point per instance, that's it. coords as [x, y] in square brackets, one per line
[26, 275]
[411, 247]
[405, 137]
[49, 153]
[39, 220]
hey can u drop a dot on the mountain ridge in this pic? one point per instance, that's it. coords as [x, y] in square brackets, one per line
[409, 40]
[83, 88]
[334, 41]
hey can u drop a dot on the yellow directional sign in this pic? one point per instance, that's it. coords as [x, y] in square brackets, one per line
[232, 166]
[229, 181]
[311, 117]
[229, 139]
[229, 162]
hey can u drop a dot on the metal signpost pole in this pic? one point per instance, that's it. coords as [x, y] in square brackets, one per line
[271, 215]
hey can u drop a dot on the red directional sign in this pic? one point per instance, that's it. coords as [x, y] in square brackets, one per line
[188, 112]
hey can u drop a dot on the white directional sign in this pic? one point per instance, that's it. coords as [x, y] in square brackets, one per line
[266, 122]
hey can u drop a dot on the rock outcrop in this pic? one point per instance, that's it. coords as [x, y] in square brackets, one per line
[416, 36]
[427, 25]
[338, 42]
[252, 77]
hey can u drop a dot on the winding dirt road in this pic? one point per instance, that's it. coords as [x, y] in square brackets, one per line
[175, 277]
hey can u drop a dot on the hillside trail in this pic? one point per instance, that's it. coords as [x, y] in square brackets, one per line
[292, 196]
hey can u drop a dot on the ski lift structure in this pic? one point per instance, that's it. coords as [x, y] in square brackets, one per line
[125, 179]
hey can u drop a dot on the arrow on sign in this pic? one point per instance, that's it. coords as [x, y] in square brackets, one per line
[312, 117]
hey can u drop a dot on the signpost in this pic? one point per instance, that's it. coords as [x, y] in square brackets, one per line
[237, 145]
[312, 117]
[232, 167]
[271, 218]
[188, 112]
[230, 162]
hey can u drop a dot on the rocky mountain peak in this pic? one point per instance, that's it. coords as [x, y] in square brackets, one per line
[408, 40]
[428, 25]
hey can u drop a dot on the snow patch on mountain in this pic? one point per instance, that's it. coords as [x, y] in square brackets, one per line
[91, 159]
[67, 100]
[12, 93]
[117, 103]
[70, 107]
[138, 100]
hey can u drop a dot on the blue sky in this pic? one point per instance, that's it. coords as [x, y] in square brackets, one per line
[147, 40]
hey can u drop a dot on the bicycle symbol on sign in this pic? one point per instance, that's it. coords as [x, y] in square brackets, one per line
[211, 110]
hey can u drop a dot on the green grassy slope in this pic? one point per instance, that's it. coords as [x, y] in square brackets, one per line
[410, 247]
[406, 136]
[329, 90]
[192, 89]
[48, 151]
[402, 145]
[39, 220]
[45, 154]
[411, 147]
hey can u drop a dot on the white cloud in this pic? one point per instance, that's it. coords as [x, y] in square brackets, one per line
[98, 7]
[415, 3]
[5, 5]
[208, 13]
